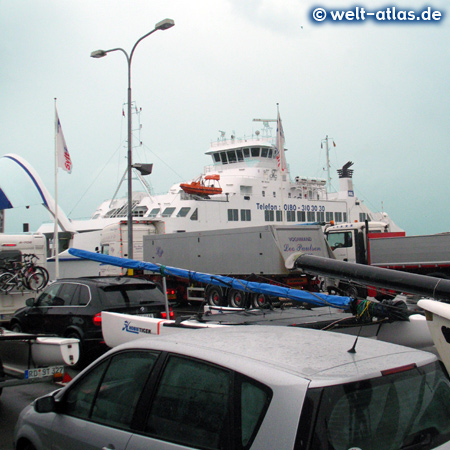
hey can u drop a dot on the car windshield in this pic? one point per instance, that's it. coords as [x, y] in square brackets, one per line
[398, 411]
[132, 295]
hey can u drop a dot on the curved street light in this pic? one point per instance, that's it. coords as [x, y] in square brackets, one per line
[163, 25]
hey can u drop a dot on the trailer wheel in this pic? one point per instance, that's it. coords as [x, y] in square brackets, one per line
[259, 300]
[214, 296]
[237, 298]
[350, 291]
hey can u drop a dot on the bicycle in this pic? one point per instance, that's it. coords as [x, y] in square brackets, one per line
[25, 274]
[34, 269]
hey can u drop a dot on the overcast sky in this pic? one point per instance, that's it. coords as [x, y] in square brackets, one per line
[381, 91]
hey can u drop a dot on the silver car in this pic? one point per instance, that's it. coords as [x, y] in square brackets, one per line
[247, 387]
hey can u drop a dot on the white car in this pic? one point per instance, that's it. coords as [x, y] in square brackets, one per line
[247, 387]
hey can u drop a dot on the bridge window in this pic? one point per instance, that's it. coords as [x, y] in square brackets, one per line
[154, 212]
[240, 156]
[301, 216]
[290, 216]
[223, 157]
[279, 216]
[264, 152]
[311, 216]
[270, 153]
[246, 152]
[194, 215]
[320, 216]
[329, 216]
[255, 152]
[338, 217]
[231, 156]
[216, 157]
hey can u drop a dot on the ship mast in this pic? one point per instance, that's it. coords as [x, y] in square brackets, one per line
[328, 160]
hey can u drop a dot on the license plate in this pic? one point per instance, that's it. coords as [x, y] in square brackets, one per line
[43, 372]
[147, 315]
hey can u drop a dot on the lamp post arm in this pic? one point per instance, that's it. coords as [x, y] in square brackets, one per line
[139, 40]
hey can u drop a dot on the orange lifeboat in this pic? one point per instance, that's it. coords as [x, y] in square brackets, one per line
[203, 186]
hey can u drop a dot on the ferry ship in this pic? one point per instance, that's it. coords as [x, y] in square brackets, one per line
[248, 183]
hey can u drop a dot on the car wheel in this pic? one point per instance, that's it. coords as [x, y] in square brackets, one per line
[16, 327]
[27, 446]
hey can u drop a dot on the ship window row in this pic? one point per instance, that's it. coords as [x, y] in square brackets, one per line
[304, 216]
[168, 212]
[136, 211]
[238, 155]
[245, 215]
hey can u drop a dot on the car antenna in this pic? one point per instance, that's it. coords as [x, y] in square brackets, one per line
[353, 349]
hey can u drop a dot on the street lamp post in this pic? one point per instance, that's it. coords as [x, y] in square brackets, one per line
[163, 25]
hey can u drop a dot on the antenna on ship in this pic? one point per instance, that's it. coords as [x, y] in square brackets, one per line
[267, 130]
[328, 160]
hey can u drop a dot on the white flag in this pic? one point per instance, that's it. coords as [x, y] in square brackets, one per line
[281, 158]
[62, 153]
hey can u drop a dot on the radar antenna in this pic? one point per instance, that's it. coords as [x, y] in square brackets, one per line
[267, 130]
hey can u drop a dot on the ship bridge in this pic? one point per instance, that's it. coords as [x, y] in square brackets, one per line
[234, 151]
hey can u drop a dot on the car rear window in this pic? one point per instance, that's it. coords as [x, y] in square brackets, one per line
[408, 409]
[132, 295]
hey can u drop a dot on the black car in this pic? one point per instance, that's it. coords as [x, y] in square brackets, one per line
[71, 307]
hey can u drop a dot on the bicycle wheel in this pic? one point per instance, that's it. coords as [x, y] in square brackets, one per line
[7, 282]
[35, 281]
[44, 272]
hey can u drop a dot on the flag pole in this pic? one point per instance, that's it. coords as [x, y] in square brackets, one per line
[280, 148]
[55, 233]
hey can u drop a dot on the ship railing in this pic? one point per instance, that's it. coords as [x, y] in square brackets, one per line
[244, 141]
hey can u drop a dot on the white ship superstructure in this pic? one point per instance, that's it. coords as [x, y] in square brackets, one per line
[248, 183]
[255, 191]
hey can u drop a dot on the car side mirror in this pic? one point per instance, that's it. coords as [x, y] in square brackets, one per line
[29, 302]
[45, 404]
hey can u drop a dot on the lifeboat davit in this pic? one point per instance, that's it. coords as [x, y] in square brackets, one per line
[203, 186]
